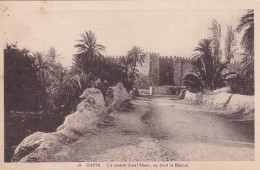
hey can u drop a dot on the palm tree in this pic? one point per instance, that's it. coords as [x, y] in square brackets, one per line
[52, 54]
[247, 24]
[44, 69]
[230, 44]
[48, 71]
[208, 73]
[215, 40]
[89, 52]
[134, 56]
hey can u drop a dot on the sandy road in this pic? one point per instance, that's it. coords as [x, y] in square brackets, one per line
[165, 129]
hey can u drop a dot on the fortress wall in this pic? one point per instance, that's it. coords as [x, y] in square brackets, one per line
[166, 71]
[163, 70]
[154, 67]
[182, 67]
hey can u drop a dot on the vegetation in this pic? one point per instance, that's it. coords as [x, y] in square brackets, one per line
[23, 87]
[211, 73]
[37, 85]
[243, 81]
[37, 81]
[89, 57]
[247, 75]
[230, 44]
[208, 70]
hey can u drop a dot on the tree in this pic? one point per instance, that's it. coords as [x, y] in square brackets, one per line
[52, 55]
[230, 43]
[46, 68]
[134, 56]
[89, 53]
[207, 72]
[247, 24]
[22, 89]
[215, 40]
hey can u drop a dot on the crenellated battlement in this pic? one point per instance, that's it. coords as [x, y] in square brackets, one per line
[114, 56]
[154, 54]
[176, 58]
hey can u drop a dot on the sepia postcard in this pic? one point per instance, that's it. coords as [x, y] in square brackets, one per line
[129, 84]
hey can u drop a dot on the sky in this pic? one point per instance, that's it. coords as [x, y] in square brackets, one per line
[170, 32]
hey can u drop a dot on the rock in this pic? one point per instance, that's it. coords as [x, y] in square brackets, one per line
[41, 146]
[131, 94]
[239, 103]
[86, 117]
[116, 95]
[189, 96]
[242, 102]
[223, 90]
[221, 99]
[207, 92]
[182, 94]
[136, 92]
[36, 147]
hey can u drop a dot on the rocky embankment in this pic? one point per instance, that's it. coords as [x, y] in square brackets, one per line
[241, 105]
[89, 115]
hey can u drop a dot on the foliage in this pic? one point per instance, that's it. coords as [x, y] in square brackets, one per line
[230, 43]
[89, 56]
[208, 71]
[143, 82]
[41, 77]
[52, 55]
[135, 56]
[65, 96]
[90, 61]
[240, 84]
[22, 87]
[247, 24]
[215, 40]
[49, 71]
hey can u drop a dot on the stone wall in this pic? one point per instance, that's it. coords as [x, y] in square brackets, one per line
[238, 103]
[163, 90]
[89, 114]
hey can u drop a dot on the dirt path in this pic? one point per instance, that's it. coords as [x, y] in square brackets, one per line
[164, 129]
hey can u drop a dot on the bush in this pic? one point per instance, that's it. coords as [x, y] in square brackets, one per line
[143, 82]
[23, 90]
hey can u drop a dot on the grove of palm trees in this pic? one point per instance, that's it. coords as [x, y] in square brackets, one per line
[210, 71]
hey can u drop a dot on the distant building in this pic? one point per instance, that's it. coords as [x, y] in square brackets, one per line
[163, 70]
